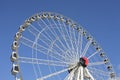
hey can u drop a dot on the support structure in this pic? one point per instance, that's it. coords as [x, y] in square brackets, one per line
[80, 72]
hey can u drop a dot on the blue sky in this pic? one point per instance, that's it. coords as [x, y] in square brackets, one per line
[101, 18]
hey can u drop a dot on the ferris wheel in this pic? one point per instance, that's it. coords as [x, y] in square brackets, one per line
[49, 46]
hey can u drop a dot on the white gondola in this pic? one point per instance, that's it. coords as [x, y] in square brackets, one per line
[112, 75]
[102, 54]
[106, 61]
[14, 45]
[109, 67]
[14, 56]
[98, 48]
[22, 28]
[93, 43]
[15, 69]
[17, 36]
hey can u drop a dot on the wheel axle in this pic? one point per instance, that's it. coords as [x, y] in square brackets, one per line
[83, 61]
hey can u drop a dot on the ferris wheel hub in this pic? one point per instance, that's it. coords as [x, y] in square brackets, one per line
[83, 61]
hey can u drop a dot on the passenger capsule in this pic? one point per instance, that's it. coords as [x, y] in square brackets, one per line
[105, 61]
[102, 54]
[27, 23]
[15, 69]
[22, 28]
[112, 75]
[89, 38]
[93, 43]
[73, 25]
[78, 29]
[98, 48]
[14, 45]
[109, 67]
[62, 19]
[17, 36]
[68, 22]
[14, 56]
[84, 33]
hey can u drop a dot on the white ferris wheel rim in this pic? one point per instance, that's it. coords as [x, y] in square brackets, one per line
[62, 42]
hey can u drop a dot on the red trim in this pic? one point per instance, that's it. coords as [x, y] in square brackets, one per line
[86, 61]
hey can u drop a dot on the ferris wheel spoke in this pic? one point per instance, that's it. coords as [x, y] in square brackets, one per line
[98, 72]
[56, 37]
[75, 44]
[42, 61]
[46, 34]
[65, 37]
[58, 27]
[30, 43]
[54, 74]
[39, 48]
[63, 57]
[71, 39]
[81, 44]
[70, 42]
[42, 39]
[70, 55]
[62, 53]
[78, 44]
[33, 30]
[51, 45]
[68, 48]
[50, 29]
[59, 47]
[86, 47]
[96, 63]
[93, 54]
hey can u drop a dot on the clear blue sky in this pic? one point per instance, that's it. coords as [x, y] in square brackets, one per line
[101, 18]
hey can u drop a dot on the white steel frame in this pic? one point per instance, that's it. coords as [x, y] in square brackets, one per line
[66, 43]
